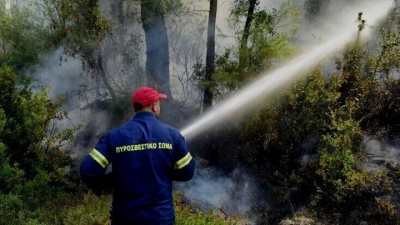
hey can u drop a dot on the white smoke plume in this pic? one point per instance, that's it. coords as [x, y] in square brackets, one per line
[60, 73]
[66, 79]
[232, 194]
[381, 153]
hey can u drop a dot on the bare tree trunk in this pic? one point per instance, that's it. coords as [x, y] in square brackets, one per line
[243, 51]
[103, 76]
[210, 58]
[93, 5]
[157, 52]
[157, 63]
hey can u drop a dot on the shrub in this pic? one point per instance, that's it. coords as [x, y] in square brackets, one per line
[33, 170]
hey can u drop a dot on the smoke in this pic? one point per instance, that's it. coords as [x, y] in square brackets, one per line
[332, 17]
[231, 194]
[66, 79]
[61, 74]
[381, 154]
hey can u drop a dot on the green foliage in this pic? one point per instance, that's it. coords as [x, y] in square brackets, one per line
[11, 205]
[23, 36]
[189, 215]
[76, 24]
[336, 167]
[310, 138]
[90, 209]
[87, 208]
[63, 209]
[311, 122]
[268, 40]
[34, 171]
[27, 115]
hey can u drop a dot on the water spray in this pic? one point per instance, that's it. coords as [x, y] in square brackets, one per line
[267, 84]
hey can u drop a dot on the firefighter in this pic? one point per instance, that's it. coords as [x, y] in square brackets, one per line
[146, 155]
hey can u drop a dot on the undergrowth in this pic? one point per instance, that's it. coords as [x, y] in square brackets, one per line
[89, 209]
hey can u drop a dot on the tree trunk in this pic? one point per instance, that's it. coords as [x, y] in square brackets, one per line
[157, 52]
[157, 63]
[93, 5]
[210, 58]
[243, 51]
[103, 76]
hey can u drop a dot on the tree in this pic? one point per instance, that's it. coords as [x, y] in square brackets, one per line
[266, 44]
[79, 26]
[266, 39]
[246, 32]
[157, 50]
[210, 58]
[22, 37]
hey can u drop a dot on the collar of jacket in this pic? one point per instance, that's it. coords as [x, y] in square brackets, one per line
[144, 115]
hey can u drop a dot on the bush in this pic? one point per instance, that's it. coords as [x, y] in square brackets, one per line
[189, 215]
[34, 171]
[309, 141]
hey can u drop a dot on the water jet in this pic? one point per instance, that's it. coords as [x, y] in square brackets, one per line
[270, 82]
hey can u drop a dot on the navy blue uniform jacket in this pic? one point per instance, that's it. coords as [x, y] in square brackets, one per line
[146, 155]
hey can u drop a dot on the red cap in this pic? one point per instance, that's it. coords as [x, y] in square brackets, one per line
[146, 96]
